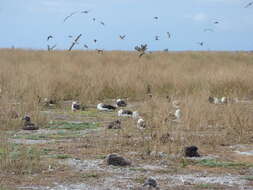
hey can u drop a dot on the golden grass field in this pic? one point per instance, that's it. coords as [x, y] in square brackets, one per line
[190, 77]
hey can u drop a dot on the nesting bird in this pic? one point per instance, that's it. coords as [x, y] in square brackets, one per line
[128, 113]
[121, 103]
[116, 160]
[125, 113]
[28, 125]
[191, 151]
[141, 124]
[105, 107]
[76, 106]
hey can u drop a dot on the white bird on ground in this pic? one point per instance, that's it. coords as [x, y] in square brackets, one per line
[141, 124]
[125, 113]
[75, 106]
[105, 107]
[128, 113]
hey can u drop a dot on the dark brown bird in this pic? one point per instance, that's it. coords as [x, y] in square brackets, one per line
[28, 125]
[116, 160]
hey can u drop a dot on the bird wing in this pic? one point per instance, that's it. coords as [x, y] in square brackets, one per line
[67, 17]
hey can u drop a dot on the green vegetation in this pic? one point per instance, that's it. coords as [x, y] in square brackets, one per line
[72, 126]
[61, 156]
[215, 163]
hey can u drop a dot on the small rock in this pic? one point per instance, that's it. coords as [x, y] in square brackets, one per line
[116, 160]
[191, 151]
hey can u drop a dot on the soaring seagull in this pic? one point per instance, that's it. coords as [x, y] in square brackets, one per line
[249, 4]
[75, 42]
[71, 14]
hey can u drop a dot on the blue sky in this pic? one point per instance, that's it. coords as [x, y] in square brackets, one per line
[27, 23]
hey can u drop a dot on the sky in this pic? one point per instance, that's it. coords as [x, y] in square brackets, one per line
[28, 23]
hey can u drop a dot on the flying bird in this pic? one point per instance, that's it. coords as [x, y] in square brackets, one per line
[95, 41]
[216, 22]
[86, 11]
[200, 43]
[156, 17]
[122, 37]
[94, 19]
[102, 23]
[249, 4]
[49, 37]
[169, 35]
[67, 17]
[70, 36]
[157, 37]
[142, 49]
[86, 46]
[75, 42]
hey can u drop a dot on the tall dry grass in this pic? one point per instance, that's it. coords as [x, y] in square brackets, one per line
[187, 76]
[87, 76]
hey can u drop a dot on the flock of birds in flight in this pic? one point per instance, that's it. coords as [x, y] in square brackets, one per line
[141, 49]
